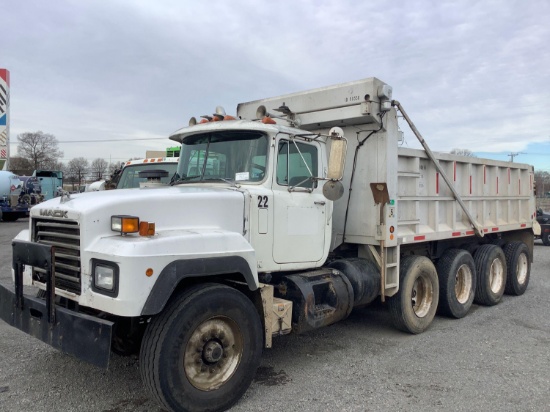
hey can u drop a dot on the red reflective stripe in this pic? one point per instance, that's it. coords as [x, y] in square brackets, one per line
[469, 232]
[470, 184]
[494, 229]
[437, 183]
[456, 233]
[485, 230]
[523, 225]
[497, 185]
[419, 238]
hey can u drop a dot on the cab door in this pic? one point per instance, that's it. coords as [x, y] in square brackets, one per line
[300, 209]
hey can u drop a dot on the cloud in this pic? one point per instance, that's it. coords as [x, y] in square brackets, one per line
[470, 74]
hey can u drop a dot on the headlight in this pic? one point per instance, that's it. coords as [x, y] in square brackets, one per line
[125, 224]
[105, 277]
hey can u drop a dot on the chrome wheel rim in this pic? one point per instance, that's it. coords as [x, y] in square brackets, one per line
[422, 296]
[522, 268]
[213, 353]
[463, 284]
[496, 275]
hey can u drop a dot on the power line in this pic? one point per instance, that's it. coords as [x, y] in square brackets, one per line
[107, 141]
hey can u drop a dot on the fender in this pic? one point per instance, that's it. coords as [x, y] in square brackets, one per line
[178, 270]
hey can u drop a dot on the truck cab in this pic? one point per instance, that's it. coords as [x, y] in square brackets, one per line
[286, 217]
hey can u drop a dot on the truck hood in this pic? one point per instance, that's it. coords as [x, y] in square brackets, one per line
[176, 207]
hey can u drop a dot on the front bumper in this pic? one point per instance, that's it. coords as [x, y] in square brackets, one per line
[86, 337]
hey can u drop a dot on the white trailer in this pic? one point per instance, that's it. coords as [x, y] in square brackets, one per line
[282, 219]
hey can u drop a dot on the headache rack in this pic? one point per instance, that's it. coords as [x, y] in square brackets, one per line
[64, 235]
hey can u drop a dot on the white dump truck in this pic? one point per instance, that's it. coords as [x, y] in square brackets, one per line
[281, 219]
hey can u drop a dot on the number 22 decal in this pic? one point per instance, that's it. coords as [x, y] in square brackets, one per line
[262, 202]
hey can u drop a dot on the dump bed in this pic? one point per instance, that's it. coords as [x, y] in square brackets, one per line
[421, 207]
[499, 196]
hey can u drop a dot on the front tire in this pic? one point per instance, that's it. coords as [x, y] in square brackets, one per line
[457, 282]
[491, 274]
[10, 217]
[413, 307]
[518, 261]
[201, 353]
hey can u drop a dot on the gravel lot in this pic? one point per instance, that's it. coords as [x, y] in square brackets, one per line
[496, 358]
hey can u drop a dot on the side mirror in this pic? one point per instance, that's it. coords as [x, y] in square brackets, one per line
[337, 155]
[333, 188]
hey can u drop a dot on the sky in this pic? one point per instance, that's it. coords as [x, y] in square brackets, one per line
[113, 79]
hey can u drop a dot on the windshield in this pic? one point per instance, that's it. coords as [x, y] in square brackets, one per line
[130, 174]
[235, 156]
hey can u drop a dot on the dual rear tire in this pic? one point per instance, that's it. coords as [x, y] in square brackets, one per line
[458, 280]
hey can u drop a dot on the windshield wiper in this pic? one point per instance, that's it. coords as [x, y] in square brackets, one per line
[184, 179]
[230, 181]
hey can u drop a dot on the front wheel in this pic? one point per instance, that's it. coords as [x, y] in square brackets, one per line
[10, 217]
[202, 351]
[413, 307]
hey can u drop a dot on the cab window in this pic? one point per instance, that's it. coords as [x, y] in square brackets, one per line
[296, 164]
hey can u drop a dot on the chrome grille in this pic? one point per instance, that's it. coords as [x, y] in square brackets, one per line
[65, 236]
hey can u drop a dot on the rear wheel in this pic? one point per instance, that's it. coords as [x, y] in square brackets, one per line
[413, 307]
[10, 217]
[457, 282]
[546, 238]
[518, 261]
[202, 351]
[491, 274]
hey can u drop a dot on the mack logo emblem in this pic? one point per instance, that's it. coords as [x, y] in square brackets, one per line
[54, 213]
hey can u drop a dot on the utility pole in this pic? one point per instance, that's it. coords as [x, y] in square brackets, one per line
[512, 155]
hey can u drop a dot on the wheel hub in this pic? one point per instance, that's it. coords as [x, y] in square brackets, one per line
[522, 268]
[422, 296]
[496, 275]
[212, 351]
[463, 284]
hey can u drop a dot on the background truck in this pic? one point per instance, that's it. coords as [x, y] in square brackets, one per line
[283, 222]
[50, 181]
[544, 220]
[13, 200]
[127, 175]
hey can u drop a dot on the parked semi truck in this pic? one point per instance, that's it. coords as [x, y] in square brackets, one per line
[282, 219]
[12, 204]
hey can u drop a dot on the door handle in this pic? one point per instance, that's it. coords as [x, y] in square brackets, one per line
[320, 202]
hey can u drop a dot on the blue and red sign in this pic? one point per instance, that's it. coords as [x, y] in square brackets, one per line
[4, 112]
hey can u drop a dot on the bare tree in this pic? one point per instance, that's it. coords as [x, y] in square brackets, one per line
[462, 152]
[39, 148]
[542, 183]
[21, 166]
[77, 169]
[99, 167]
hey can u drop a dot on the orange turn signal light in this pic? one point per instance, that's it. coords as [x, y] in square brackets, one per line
[146, 229]
[268, 120]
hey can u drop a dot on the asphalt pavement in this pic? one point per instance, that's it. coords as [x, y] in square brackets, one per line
[495, 359]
